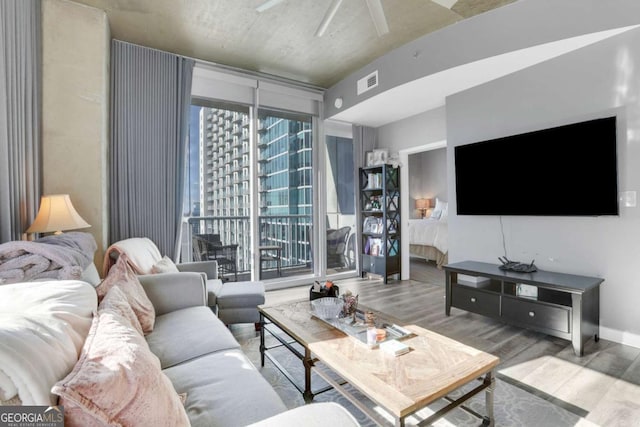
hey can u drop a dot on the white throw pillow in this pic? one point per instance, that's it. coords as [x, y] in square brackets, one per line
[437, 210]
[165, 265]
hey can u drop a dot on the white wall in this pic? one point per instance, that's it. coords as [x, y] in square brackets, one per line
[427, 177]
[595, 81]
[425, 131]
[415, 131]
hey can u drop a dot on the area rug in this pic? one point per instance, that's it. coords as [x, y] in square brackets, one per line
[513, 406]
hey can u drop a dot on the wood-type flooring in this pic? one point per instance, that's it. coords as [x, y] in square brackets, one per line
[602, 388]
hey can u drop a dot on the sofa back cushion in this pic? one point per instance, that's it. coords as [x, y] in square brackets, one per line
[118, 381]
[43, 326]
[122, 276]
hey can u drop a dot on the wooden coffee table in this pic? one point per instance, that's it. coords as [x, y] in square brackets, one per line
[403, 385]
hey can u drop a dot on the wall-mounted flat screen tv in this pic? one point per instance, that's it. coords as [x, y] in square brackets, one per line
[569, 170]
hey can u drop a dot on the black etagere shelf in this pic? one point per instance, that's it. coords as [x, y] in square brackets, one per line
[380, 212]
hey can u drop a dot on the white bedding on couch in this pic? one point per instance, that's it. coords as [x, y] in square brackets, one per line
[43, 326]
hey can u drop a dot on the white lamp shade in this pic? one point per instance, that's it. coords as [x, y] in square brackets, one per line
[56, 214]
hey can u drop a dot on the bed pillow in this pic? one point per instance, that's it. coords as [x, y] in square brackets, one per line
[437, 210]
[123, 276]
[445, 212]
[118, 381]
[165, 265]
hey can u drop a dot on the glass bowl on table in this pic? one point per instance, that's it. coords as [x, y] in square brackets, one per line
[327, 308]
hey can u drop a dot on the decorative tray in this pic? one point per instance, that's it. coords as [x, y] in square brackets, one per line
[358, 329]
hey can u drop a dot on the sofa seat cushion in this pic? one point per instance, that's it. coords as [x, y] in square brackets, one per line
[241, 294]
[225, 390]
[189, 333]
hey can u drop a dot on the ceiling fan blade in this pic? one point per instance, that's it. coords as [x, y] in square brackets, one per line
[268, 5]
[378, 17]
[445, 3]
[328, 17]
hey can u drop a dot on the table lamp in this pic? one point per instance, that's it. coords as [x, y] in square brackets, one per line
[56, 214]
[422, 205]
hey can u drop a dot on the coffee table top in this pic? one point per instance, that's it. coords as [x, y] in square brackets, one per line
[435, 366]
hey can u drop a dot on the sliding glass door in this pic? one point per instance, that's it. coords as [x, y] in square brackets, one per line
[217, 202]
[285, 194]
[218, 199]
[251, 199]
[340, 205]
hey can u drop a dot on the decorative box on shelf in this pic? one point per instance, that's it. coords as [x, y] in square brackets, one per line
[474, 281]
[526, 291]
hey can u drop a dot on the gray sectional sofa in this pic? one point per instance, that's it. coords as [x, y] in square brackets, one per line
[197, 352]
[202, 359]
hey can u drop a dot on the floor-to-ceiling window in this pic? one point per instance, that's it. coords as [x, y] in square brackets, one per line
[251, 178]
[217, 202]
[285, 188]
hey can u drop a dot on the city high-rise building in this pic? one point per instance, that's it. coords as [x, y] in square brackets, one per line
[284, 185]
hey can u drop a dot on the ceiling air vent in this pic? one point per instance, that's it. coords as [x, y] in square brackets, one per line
[367, 83]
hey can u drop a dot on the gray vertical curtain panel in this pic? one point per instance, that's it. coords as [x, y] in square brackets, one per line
[150, 98]
[20, 115]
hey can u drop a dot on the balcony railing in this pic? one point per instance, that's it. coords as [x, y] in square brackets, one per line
[291, 232]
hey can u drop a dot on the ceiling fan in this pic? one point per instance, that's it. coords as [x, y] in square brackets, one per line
[375, 10]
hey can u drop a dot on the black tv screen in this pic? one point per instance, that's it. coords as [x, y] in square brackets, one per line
[569, 170]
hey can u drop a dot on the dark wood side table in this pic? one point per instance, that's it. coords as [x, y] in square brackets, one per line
[566, 305]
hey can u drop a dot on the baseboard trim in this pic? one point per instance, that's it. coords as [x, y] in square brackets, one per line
[621, 337]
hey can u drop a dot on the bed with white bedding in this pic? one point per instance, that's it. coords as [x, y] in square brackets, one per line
[428, 239]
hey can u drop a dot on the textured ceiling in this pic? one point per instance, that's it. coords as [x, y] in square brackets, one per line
[281, 40]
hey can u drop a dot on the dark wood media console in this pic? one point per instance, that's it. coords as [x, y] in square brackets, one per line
[566, 306]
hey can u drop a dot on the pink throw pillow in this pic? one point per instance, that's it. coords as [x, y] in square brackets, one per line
[118, 381]
[115, 301]
[123, 276]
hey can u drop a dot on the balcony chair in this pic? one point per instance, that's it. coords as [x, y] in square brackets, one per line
[233, 302]
[208, 247]
[337, 246]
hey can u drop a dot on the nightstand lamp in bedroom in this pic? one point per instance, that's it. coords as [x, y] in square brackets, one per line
[56, 214]
[423, 206]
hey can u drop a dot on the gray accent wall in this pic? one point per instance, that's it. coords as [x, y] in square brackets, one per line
[427, 177]
[518, 25]
[596, 81]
